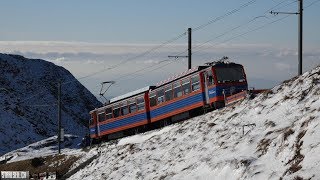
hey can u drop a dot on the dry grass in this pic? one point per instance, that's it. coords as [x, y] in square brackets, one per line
[263, 146]
[54, 163]
[298, 157]
[287, 133]
[269, 124]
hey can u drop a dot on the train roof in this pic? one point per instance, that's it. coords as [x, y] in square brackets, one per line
[183, 74]
[197, 69]
[131, 94]
[222, 64]
[125, 96]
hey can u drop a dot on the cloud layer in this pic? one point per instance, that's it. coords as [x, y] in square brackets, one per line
[139, 65]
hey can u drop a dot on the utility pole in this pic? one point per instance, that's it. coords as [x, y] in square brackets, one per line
[300, 32]
[300, 35]
[59, 116]
[189, 50]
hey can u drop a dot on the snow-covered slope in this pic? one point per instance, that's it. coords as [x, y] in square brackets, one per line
[274, 136]
[28, 98]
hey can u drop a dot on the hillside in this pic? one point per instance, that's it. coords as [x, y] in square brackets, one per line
[273, 136]
[28, 98]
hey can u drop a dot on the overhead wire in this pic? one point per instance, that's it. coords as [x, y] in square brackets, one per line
[176, 38]
[134, 75]
[312, 3]
[172, 40]
[282, 2]
[241, 25]
[130, 59]
[245, 33]
[224, 15]
[205, 25]
[197, 28]
[227, 32]
[237, 27]
[114, 66]
[272, 8]
[157, 47]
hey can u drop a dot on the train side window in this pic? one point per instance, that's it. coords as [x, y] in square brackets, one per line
[177, 91]
[101, 117]
[195, 83]
[140, 103]
[133, 106]
[153, 99]
[160, 95]
[186, 86]
[108, 113]
[168, 92]
[210, 79]
[116, 111]
[124, 108]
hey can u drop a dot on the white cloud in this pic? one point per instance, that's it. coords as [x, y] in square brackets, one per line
[282, 66]
[262, 61]
[286, 52]
[59, 60]
[93, 62]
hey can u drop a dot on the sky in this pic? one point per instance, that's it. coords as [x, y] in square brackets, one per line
[129, 41]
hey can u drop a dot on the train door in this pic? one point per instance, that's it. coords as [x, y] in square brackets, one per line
[93, 124]
[98, 128]
[206, 90]
[101, 117]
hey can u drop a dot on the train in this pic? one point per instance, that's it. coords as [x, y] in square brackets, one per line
[190, 93]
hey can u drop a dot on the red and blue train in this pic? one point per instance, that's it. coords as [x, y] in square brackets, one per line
[178, 98]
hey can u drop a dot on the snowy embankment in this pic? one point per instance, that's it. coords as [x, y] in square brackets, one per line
[44, 148]
[276, 135]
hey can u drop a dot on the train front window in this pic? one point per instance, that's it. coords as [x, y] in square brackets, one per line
[234, 74]
[210, 79]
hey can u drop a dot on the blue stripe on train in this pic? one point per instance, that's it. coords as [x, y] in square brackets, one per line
[213, 92]
[177, 105]
[123, 122]
[217, 91]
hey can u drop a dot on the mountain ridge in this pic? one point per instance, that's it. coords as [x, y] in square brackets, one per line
[28, 97]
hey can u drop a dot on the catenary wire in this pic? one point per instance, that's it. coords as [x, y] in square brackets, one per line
[224, 15]
[178, 37]
[245, 33]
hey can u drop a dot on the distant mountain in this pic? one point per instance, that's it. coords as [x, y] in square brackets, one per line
[28, 101]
